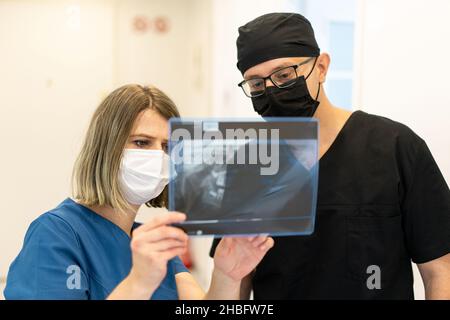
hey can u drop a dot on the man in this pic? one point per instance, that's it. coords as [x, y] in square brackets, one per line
[382, 200]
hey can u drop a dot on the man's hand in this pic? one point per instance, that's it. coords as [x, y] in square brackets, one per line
[237, 257]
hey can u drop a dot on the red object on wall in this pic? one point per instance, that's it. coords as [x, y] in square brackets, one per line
[140, 24]
[161, 24]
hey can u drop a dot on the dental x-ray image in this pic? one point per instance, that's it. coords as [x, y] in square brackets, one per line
[244, 177]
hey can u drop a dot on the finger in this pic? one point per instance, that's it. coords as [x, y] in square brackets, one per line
[166, 254]
[165, 245]
[161, 233]
[225, 244]
[163, 219]
[226, 241]
[267, 244]
[241, 238]
[259, 240]
[172, 253]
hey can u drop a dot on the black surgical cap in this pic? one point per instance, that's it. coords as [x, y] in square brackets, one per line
[275, 35]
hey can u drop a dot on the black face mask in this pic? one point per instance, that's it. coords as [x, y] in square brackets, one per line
[294, 101]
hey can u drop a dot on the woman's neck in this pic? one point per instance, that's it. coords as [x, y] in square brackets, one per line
[123, 220]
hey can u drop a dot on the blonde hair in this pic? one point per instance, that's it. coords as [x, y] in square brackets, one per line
[95, 179]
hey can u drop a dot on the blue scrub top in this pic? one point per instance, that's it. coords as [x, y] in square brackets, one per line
[72, 252]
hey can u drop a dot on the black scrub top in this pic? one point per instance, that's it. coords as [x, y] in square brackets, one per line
[381, 201]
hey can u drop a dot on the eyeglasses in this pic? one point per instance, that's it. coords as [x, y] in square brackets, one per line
[282, 78]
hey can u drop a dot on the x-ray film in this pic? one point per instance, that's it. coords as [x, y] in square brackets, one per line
[242, 177]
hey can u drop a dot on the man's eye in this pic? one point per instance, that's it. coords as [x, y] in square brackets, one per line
[257, 85]
[141, 143]
[284, 75]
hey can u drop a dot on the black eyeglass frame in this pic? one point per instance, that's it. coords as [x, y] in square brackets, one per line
[290, 83]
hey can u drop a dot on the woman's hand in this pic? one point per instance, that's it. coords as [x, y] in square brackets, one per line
[237, 257]
[153, 244]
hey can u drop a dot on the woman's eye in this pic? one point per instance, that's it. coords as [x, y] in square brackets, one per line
[141, 143]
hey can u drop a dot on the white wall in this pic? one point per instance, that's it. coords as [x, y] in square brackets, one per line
[176, 62]
[227, 98]
[403, 68]
[55, 66]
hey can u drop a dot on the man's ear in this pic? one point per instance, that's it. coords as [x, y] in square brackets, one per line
[323, 63]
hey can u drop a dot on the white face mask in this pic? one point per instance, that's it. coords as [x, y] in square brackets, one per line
[143, 174]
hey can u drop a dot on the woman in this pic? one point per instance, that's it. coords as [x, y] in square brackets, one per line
[91, 248]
